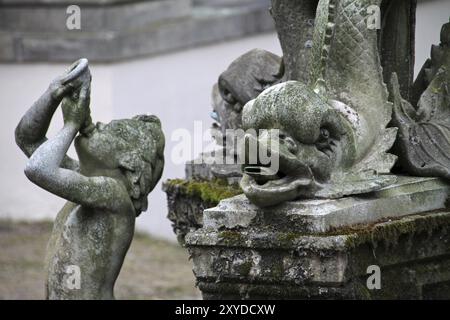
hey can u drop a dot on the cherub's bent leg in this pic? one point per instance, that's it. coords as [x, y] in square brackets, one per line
[32, 128]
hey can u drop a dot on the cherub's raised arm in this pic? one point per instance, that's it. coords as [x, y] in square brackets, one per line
[32, 129]
[44, 167]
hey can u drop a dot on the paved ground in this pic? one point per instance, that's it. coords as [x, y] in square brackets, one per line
[153, 269]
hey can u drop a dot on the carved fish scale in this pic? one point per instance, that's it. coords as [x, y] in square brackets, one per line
[346, 66]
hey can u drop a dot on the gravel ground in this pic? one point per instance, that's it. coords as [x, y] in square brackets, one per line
[153, 269]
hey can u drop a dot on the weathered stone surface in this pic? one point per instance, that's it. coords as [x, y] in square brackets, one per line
[185, 211]
[323, 149]
[294, 21]
[332, 129]
[187, 199]
[423, 143]
[408, 196]
[204, 167]
[397, 42]
[245, 78]
[412, 253]
[95, 17]
[323, 248]
[68, 2]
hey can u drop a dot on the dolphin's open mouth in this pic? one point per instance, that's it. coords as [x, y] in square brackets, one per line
[266, 188]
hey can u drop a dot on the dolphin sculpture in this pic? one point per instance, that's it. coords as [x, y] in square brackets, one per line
[333, 135]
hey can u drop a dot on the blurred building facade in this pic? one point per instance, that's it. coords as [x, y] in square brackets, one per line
[110, 30]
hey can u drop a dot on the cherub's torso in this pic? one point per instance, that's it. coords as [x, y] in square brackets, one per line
[90, 241]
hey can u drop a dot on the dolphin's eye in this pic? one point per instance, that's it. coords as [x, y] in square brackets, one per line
[288, 142]
[291, 144]
[325, 142]
[237, 107]
[226, 94]
[324, 134]
[263, 85]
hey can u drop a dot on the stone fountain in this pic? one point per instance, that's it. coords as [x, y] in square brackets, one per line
[358, 208]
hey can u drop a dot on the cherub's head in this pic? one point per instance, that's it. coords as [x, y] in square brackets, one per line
[131, 150]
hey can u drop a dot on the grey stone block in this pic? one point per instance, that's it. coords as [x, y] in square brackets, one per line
[112, 31]
[259, 264]
[321, 249]
[52, 18]
[202, 169]
[7, 46]
[70, 2]
[230, 3]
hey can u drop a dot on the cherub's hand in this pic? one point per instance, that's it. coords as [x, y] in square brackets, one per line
[72, 80]
[76, 107]
[60, 90]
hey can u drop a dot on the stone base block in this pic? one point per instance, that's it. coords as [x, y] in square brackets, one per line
[242, 255]
[187, 200]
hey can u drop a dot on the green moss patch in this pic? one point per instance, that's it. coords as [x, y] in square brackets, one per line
[391, 231]
[231, 238]
[209, 191]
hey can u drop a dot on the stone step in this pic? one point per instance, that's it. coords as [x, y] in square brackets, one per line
[230, 3]
[52, 17]
[408, 196]
[123, 31]
[44, 3]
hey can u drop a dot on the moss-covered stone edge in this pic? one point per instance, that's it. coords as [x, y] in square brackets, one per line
[390, 231]
[211, 192]
[386, 231]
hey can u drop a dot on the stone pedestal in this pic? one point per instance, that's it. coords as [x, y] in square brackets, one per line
[187, 200]
[204, 186]
[322, 249]
[35, 30]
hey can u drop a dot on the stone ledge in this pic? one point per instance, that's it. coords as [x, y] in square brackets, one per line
[110, 18]
[114, 35]
[408, 196]
[46, 3]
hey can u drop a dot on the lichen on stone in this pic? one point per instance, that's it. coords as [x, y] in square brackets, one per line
[390, 231]
[209, 191]
[230, 238]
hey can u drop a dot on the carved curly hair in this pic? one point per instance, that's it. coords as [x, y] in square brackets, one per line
[140, 154]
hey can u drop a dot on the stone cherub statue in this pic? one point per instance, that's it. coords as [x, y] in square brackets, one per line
[119, 164]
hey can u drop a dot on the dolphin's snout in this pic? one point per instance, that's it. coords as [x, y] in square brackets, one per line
[270, 157]
[261, 173]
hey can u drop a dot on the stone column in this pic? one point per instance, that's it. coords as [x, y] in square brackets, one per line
[397, 42]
